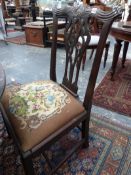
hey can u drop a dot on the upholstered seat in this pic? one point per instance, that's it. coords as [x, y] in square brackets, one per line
[10, 20]
[95, 39]
[34, 108]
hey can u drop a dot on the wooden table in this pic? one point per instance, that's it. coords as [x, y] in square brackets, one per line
[2, 80]
[121, 31]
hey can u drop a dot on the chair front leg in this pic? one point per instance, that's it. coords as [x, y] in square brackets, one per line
[28, 165]
[85, 132]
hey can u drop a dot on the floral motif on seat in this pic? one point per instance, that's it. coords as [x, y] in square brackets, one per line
[36, 102]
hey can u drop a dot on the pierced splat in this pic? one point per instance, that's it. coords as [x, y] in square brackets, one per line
[77, 37]
[75, 46]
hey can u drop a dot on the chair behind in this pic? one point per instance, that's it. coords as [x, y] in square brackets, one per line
[77, 37]
[95, 32]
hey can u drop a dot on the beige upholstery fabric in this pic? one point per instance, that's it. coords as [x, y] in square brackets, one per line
[28, 135]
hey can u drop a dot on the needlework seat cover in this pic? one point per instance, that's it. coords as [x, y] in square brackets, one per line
[38, 109]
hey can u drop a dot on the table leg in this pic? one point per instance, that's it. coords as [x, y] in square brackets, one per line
[126, 44]
[117, 49]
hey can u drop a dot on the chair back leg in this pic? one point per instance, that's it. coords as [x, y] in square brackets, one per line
[106, 54]
[83, 60]
[126, 44]
[92, 51]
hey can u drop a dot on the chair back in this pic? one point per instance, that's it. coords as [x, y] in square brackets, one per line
[77, 36]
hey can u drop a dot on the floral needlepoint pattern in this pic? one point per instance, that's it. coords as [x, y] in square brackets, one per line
[33, 103]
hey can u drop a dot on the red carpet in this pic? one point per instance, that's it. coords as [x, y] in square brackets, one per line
[17, 40]
[10, 30]
[116, 95]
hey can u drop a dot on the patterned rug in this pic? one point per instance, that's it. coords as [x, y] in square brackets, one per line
[10, 30]
[17, 39]
[109, 152]
[116, 95]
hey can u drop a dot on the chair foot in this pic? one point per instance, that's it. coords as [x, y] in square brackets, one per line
[112, 78]
[123, 66]
[86, 144]
[123, 63]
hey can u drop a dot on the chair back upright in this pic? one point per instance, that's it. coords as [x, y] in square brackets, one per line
[78, 29]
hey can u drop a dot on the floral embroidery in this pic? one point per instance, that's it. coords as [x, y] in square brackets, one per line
[33, 103]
